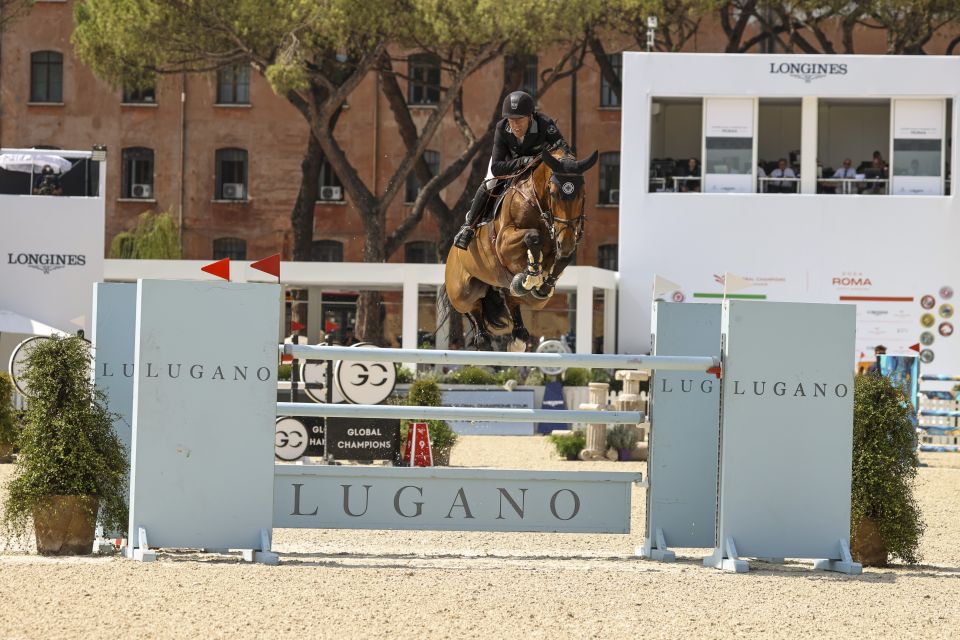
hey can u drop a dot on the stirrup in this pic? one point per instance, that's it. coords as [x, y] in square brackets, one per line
[463, 237]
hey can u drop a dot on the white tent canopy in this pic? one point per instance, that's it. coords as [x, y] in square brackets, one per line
[11, 322]
[34, 163]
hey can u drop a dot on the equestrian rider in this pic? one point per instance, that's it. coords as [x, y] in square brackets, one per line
[519, 139]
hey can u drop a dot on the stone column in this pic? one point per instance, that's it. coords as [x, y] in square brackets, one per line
[630, 399]
[596, 448]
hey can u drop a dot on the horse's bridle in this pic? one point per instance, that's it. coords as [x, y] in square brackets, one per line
[550, 220]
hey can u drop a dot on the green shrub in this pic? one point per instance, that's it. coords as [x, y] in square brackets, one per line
[885, 465]
[283, 372]
[67, 446]
[535, 378]
[509, 373]
[472, 375]
[622, 436]
[404, 375]
[576, 377]
[569, 445]
[8, 418]
[425, 392]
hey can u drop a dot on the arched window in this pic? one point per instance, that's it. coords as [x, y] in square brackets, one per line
[329, 189]
[424, 84]
[527, 66]
[610, 177]
[607, 256]
[231, 174]
[233, 248]
[432, 158]
[327, 251]
[137, 178]
[46, 76]
[420, 252]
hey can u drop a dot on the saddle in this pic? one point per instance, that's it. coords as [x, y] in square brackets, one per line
[490, 212]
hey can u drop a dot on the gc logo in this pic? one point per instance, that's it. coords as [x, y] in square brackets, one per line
[363, 382]
[291, 439]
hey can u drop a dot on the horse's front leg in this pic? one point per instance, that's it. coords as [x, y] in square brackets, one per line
[532, 276]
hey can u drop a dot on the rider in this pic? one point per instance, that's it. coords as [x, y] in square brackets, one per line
[519, 139]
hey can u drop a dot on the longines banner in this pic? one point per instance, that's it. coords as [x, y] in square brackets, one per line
[323, 497]
[205, 394]
[51, 253]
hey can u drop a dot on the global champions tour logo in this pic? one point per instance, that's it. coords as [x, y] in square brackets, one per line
[808, 71]
[47, 262]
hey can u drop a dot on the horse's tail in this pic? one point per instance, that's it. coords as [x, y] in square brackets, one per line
[443, 307]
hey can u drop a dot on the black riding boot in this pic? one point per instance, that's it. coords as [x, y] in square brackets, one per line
[467, 231]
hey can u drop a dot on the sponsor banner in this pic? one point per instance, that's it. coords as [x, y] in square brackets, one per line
[786, 428]
[204, 401]
[51, 254]
[363, 438]
[685, 412]
[331, 497]
[519, 399]
[114, 325]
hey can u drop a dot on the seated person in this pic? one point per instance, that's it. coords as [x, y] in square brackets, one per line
[878, 160]
[846, 171]
[689, 172]
[877, 174]
[47, 183]
[782, 171]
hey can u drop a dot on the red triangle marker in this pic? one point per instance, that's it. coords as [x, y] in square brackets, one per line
[296, 326]
[915, 347]
[269, 265]
[220, 268]
[715, 371]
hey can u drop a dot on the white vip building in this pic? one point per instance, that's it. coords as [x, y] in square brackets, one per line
[815, 178]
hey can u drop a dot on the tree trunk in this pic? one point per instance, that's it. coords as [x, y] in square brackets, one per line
[302, 217]
[370, 310]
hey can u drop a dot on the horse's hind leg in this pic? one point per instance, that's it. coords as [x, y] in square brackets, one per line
[519, 329]
[481, 337]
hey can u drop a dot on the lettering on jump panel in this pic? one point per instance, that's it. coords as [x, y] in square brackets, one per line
[363, 438]
[451, 499]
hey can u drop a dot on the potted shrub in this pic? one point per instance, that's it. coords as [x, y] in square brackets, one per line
[425, 392]
[71, 464]
[623, 438]
[8, 418]
[569, 444]
[885, 517]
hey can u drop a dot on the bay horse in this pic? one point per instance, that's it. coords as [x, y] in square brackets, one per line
[516, 258]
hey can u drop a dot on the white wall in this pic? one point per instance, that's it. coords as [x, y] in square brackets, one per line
[803, 247]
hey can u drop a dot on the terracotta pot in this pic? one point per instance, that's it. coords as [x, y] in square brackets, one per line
[5, 453]
[867, 546]
[65, 525]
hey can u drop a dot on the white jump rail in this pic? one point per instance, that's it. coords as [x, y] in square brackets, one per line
[403, 412]
[504, 359]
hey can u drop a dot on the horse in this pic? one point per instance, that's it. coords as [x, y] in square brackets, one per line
[516, 259]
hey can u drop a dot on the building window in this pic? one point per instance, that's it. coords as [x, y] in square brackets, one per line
[607, 256]
[46, 76]
[528, 70]
[424, 83]
[233, 248]
[420, 253]
[330, 189]
[143, 95]
[137, 178]
[610, 178]
[327, 251]
[231, 174]
[432, 158]
[608, 97]
[233, 85]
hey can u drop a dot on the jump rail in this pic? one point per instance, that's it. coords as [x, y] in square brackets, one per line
[496, 358]
[454, 413]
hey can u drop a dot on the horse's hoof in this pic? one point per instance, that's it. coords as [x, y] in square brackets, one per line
[542, 293]
[516, 286]
[517, 346]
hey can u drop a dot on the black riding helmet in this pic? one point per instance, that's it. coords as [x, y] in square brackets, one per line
[517, 104]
